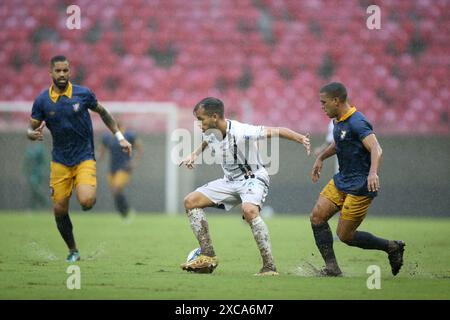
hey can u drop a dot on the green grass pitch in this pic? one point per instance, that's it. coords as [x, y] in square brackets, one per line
[141, 260]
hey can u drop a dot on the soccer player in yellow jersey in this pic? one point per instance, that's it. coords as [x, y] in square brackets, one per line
[353, 188]
[121, 166]
[63, 109]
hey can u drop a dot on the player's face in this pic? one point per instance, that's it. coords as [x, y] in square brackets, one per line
[329, 105]
[60, 73]
[206, 121]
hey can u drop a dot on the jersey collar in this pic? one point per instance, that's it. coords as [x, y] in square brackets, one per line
[54, 96]
[347, 115]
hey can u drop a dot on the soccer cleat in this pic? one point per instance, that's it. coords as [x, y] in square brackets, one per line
[326, 272]
[202, 264]
[129, 217]
[265, 271]
[73, 256]
[334, 271]
[396, 257]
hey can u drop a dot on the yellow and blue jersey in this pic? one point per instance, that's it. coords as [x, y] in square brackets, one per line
[119, 159]
[353, 157]
[67, 117]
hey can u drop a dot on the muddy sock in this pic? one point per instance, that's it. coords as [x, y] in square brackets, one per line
[261, 235]
[200, 228]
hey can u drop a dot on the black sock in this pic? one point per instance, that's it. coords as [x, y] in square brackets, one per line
[366, 240]
[121, 203]
[324, 241]
[65, 229]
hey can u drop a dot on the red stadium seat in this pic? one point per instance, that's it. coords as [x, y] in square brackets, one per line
[183, 50]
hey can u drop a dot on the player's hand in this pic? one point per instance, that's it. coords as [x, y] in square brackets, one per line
[126, 146]
[307, 144]
[188, 162]
[373, 182]
[315, 173]
[36, 134]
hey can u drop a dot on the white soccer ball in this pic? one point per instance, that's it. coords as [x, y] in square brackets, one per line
[194, 254]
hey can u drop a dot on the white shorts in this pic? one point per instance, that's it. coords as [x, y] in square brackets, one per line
[228, 194]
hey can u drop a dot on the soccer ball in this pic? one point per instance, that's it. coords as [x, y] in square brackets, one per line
[194, 254]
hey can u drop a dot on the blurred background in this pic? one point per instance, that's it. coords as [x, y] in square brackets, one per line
[266, 59]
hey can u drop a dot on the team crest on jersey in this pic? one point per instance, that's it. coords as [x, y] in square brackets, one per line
[343, 133]
[76, 106]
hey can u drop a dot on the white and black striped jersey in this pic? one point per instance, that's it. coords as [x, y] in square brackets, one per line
[238, 152]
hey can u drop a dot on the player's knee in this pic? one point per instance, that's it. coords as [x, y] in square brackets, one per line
[250, 213]
[345, 237]
[316, 219]
[116, 191]
[87, 203]
[60, 209]
[189, 202]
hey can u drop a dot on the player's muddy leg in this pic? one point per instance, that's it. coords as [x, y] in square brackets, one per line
[86, 195]
[261, 235]
[194, 204]
[61, 211]
[322, 212]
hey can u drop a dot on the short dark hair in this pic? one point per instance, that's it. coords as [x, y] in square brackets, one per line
[211, 106]
[58, 58]
[335, 90]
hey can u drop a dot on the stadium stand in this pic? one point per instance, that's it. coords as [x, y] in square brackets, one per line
[271, 56]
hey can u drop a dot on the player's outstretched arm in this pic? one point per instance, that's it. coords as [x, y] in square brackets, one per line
[289, 134]
[371, 144]
[35, 130]
[325, 154]
[109, 121]
[189, 161]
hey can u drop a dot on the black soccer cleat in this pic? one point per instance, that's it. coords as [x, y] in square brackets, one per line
[396, 257]
[330, 272]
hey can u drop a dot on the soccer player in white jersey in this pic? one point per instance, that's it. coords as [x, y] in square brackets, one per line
[245, 181]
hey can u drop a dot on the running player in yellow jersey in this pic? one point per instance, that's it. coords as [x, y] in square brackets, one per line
[121, 166]
[63, 108]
